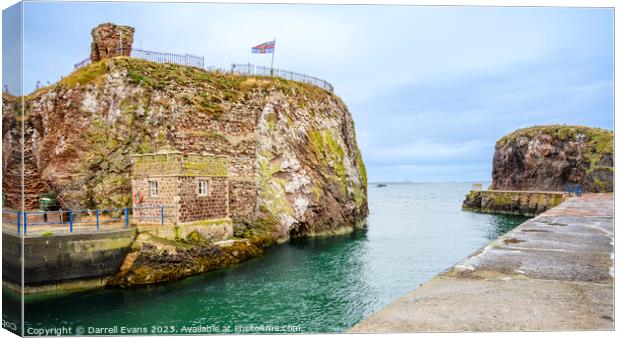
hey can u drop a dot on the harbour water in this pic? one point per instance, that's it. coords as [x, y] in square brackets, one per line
[415, 231]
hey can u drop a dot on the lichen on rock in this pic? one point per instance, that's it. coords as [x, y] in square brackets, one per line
[549, 157]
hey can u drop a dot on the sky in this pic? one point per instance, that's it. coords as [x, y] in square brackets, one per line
[431, 88]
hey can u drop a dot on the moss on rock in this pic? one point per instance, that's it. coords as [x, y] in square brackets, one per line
[511, 202]
[549, 157]
[89, 74]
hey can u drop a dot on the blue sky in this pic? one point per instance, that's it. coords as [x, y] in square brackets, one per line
[430, 88]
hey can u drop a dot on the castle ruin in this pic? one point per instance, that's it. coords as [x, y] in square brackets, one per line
[110, 40]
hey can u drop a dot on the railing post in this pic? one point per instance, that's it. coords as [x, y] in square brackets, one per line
[70, 220]
[97, 218]
[162, 216]
[19, 220]
[126, 217]
[25, 222]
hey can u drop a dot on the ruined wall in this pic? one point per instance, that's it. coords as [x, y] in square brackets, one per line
[110, 40]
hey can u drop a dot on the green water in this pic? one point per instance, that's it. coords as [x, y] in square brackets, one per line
[415, 231]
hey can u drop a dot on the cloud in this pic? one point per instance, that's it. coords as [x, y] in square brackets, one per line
[424, 151]
[431, 88]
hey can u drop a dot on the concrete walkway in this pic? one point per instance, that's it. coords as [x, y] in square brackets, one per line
[553, 272]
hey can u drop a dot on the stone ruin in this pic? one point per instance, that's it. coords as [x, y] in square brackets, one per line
[110, 40]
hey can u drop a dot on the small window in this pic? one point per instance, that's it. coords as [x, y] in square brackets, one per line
[153, 188]
[203, 188]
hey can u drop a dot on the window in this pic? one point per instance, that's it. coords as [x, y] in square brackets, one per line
[153, 188]
[203, 188]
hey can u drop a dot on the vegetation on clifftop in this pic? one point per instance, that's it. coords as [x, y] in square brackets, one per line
[602, 140]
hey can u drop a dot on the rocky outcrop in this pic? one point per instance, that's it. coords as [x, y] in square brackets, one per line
[156, 260]
[110, 40]
[295, 169]
[523, 203]
[547, 158]
[12, 119]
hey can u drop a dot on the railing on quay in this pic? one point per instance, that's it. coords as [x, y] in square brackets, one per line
[91, 219]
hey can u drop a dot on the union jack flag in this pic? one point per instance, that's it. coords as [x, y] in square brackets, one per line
[264, 48]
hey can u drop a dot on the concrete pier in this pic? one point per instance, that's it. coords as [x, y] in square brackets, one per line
[553, 272]
[65, 262]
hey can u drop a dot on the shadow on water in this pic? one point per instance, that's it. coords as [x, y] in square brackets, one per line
[318, 285]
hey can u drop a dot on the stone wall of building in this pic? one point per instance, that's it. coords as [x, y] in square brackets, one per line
[168, 188]
[110, 40]
[177, 178]
[193, 207]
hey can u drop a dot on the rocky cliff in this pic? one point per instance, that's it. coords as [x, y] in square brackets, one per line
[294, 163]
[547, 158]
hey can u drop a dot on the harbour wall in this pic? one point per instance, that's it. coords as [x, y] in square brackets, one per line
[555, 272]
[64, 262]
[526, 203]
[87, 259]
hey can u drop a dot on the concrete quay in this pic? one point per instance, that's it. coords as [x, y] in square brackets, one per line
[554, 272]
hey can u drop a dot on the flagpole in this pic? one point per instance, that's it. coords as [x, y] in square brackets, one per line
[272, 54]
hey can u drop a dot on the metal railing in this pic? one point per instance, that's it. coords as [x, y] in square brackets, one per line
[250, 69]
[573, 190]
[236, 68]
[86, 219]
[82, 63]
[159, 57]
[164, 57]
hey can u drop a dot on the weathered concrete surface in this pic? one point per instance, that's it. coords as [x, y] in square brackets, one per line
[553, 272]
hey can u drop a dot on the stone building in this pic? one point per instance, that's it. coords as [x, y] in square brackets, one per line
[110, 40]
[196, 185]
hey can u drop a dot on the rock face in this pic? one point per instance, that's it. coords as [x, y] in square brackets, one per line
[547, 158]
[12, 157]
[110, 40]
[295, 169]
[523, 203]
[160, 261]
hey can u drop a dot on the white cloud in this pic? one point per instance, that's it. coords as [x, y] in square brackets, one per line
[426, 85]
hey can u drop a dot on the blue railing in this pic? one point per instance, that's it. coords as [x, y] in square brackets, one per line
[573, 189]
[83, 218]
